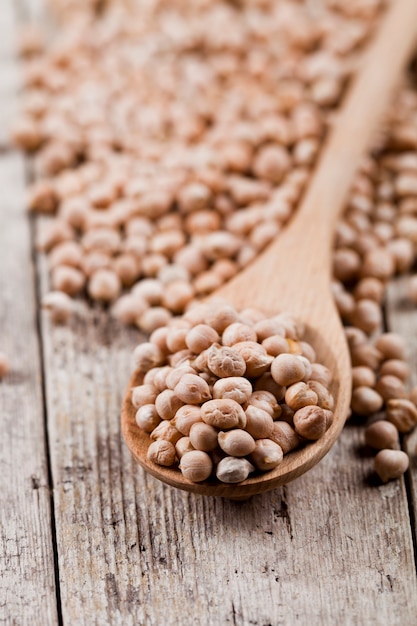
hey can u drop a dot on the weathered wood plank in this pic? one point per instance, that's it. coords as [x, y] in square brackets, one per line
[27, 588]
[402, 318]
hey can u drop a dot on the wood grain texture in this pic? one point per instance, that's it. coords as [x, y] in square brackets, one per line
[27, 584]
[401, 316]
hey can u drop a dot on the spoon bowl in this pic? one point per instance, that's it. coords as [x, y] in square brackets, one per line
[294, 273]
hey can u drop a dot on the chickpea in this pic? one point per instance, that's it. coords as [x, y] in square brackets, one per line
[196, 465]
[233, 470]
[275, 345]
[223, 361]
[265, 400]
[238, 332]
[201, 337]
[285, 436]
[402, 413]
[259, 423]
[363, 376]
[203, 436]
[147, 356]
[391, 464]
[325, 399]
[233, 388]
[382, 434]
[267, 383]
[366, 401]
[256, 360]
[192, 389]
[287, 369]
[185, 417]
[68, 279]
[236, 442]
[395, 367]
[162, 452]
[59, 305]
[266, 455]
[167, 404]
[310, 422]
[391, 346]
[390, 387]
[183, 446]
[104, 285]
[165, 431]
[143, 394]
[147, 417]
[223, 414]
[300, 395]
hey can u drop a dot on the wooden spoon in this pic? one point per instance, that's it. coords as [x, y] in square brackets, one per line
[294, 273]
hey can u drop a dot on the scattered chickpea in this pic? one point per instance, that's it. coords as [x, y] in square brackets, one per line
[381, 435]
[390, 464]
[402, 413]
[4, 365]
[366, 401]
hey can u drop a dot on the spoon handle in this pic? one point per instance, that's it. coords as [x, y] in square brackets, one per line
[365, 103]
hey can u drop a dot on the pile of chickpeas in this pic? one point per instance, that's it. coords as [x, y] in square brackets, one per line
[229, 393]
[173, 141]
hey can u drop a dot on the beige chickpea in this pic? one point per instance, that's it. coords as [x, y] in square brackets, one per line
[367, 315]
[4, 365]
[143, 394]
[147, 356]
[203, 436]
[271, 163]
[381, 435]
[127, 268]
[159, 337]
[310, 422]
[233, 388]
[325, 399]
[355, 337]
[378, 263]
[182, 357]
[192, 389]
[366, 401]
[275, 345]
[67, 279]
[175, 339]
[268, 328]
[223, 361]
[267, 383]
[183, 446]
[219, 316]
[223, 414]
[147, 417]
[150, 290]
[167, 404]
[389, 386]
[395, 367]
[307, 351]
[259, 423]
[299, 395]
[201, 337]
[128, 308]
[152, 318]
[166, 431]
[162, 453]
[266, 455]
[236, 442]
[287, 369]
[238, 332]
[177, 373]
[265, 400]
[191, 257]
[194, 197]
[346, 264]
[255, 357]
[363, 376]
[285, 436]
[66, 253]
[391, 464]
[196, 465]
[225, 268]
[185, 417]
[370, 288]
[206, 282]
[104, 285]
[367, 355]
[95, 261]
[391, 346]
[233, 470]
[402, 413]
[53, 234]
[59, 305]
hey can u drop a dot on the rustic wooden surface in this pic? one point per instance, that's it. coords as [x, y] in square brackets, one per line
[331, 548]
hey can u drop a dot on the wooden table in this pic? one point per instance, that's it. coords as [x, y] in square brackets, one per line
[88, 538]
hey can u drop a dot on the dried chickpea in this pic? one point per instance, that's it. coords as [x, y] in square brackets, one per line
[266, 455]
[395, 367]
[143, 394]
[165, 431]
[391, 346]
[363, 376]
[233, 470]
[201, 337]
[185, 417]
[382, 434]
[275, 345]
[287, 369]
[104, 285]
[233, 388]
[196, 465]
[223, 414]
[223, 361]
[147, 417]
[389, 386]
[310, 422]
[366, 401]
[300, 395]
[265, 400]
[259, 423]
[162, 452]
[167, 404]
[391, 464]
[67, 279]
[147, 356]
[285, 436]
[402, 413]
[324, 397]
[183, 446]
[238, 332]
[4, 365]
[203, 436]
[236, 442]
[255, 357]
[191, 389]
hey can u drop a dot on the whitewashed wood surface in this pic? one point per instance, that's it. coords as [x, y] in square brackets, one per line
[87, 538]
